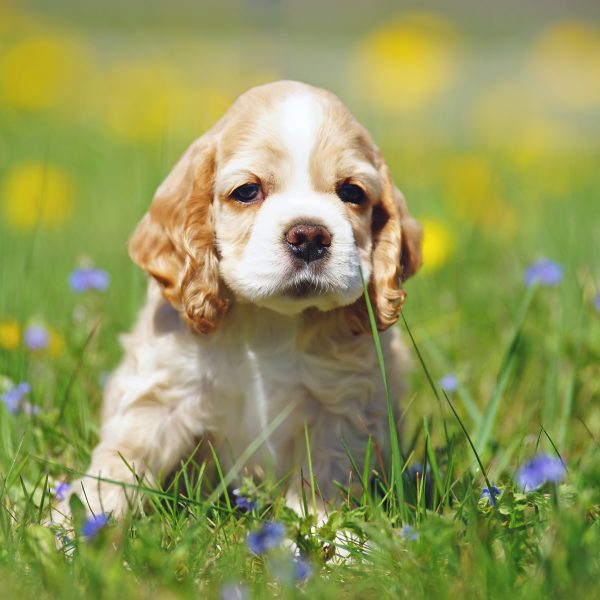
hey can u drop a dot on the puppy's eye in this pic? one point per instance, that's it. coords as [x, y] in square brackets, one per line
[249, 192]
[349, 192]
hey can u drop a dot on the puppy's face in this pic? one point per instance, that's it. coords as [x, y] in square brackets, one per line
[294, 192]
[284, 202]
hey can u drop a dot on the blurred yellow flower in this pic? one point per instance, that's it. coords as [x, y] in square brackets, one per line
[34, 192]
[147, 100]
[10, 335]
[405, 65]
[566, 61]
[472, 193]
[438, 244]
[41, 71]
[12, 19]
[57, 344]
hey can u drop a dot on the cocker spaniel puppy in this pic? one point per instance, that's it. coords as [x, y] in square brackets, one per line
[254, 244]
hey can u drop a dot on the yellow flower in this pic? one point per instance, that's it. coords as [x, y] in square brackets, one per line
[56, 345]
[41, 71]
[472, 193]
[10, 335]
[36, 193]
[407, 64]
[438, 244]
[149, 99]
[566, 61]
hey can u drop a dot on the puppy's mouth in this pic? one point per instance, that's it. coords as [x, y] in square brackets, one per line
[305, 286]
[304, 289]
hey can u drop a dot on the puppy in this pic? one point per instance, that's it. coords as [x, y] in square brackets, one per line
[255, 313]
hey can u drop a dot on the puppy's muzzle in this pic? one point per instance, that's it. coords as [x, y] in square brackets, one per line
[308, 242]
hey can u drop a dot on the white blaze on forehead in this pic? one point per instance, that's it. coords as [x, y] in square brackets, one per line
[300, 117]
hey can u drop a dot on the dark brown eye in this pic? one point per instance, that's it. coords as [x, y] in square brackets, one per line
[249, 192]
[349, 192]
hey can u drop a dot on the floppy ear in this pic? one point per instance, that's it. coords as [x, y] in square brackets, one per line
[174, 241]
[395, 256]
[411, 255]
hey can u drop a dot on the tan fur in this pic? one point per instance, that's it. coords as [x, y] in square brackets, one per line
[282, 333]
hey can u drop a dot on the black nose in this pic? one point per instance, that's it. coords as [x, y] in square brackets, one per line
[308, 242]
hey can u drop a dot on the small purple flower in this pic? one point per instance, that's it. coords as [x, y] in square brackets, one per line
[269, 536]
[92, 525]
[36, 337]
[544, 272]
[243, 502]
[61, 490]
[485, 493]
[14, 399]
[302, 569]
[234, 591]
[597, 302]
[84, 279]
[539, 470]
[449, 382]
[408, 533]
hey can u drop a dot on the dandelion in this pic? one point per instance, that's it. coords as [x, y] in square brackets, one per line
[85, 279]
[408, 533]
[438, 244]
[566, 62]
[495, 492]
[269, 536]
[41, 71]
[10, 335]
[35, 193]
[37, 337]
[545, 272]
[449, 383]
[408, 63]
[473, 194]
[243, 502]
[93, 525]
[539, 470]
[60, 491]
[14, 399]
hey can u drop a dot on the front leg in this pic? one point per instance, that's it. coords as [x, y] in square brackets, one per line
[139, 443]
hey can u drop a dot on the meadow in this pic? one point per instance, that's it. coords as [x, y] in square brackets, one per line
[492, 133]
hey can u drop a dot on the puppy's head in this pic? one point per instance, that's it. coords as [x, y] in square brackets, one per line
[281, 204]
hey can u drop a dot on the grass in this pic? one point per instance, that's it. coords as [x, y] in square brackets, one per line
[526, 360]
[539, 544]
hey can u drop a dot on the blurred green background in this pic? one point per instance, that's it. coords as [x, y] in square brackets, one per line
[488, 114]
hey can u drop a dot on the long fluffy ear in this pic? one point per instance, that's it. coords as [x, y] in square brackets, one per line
[174, 241]
[411, 256]
[395, 256]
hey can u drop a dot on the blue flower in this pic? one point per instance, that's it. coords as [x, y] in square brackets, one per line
[408, 533]
[449, 383]
[302, 569]
[14, 399]
[233, 591]
[60, 490]
[597, 302]
[269, 536]
[544, 272]
[539, 470]
[243, 502]
[92, 525]
[485, 493]
[83, 279]
[36, 337]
